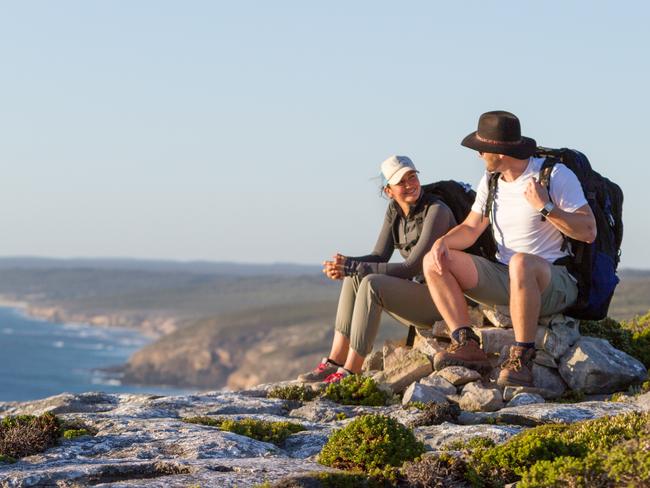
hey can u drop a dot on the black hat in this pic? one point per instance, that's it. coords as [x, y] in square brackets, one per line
[499, 132]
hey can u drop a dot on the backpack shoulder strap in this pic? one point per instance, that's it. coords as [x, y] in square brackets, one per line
[493, 183]
[545, 175]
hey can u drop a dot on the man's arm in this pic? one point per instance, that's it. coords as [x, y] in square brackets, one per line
[579, 225]
[460, 237]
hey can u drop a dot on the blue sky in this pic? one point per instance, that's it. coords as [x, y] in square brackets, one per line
[251, 131]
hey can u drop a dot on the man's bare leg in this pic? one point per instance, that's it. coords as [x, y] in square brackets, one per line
[529, 277]
[447, 288]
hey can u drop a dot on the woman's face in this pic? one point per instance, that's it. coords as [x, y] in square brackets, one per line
[407, 191]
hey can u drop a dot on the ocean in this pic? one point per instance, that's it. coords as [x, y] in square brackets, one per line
[40, 359]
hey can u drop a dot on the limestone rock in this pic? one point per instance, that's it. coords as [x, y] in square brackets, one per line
[593, 365]
[478, 398]
[548, 379]
[439, 383]
[429, 346]
[458, 375]
[545, 359]
[440, 329]
[373, 362]
[404, 366]
[418, 392]
[436, 437]
[558, 336]
[498, 315]
[525, 399]
[494, 339]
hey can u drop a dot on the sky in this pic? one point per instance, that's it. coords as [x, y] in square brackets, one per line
[253, 131]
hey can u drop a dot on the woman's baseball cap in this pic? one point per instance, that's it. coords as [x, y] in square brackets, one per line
[395, 167]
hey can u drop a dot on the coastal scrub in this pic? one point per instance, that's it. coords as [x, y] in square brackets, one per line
[24, 435]
[261, 430]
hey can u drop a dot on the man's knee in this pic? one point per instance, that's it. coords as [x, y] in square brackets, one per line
[524, 266]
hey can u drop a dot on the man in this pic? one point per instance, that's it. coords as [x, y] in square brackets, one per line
[527, 224]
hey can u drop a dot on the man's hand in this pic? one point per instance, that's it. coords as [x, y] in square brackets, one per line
[440, 254]
[536, 194]
[334, 269]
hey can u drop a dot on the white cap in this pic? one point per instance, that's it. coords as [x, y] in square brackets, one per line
[395, 167]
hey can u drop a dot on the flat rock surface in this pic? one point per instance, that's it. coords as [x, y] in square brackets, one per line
[142, 441]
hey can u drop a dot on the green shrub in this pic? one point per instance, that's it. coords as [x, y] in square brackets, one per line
[374, 444]
[356, 390]
[299, 393]
[24, 435]
[261, 430]
[416, 404]
[330, 480]
[74, 433]
[517, 457]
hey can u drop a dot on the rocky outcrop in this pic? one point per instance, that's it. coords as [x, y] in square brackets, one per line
[141, 440]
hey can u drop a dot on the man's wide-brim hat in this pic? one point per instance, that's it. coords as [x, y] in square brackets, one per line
[499, 132]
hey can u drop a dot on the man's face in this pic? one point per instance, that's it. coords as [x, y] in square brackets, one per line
[492, 161]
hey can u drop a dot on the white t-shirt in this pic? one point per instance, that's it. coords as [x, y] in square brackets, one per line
[516, 225]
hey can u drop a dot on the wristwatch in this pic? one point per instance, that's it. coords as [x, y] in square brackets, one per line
[547, 209]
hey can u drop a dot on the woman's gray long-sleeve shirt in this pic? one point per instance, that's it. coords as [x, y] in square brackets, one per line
[413, 235]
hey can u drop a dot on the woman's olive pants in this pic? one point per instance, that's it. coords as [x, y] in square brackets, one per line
[362, 301]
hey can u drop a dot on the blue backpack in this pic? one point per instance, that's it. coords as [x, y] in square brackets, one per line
[593, 265]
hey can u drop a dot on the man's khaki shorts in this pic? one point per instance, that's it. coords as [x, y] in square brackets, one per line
[494, 287]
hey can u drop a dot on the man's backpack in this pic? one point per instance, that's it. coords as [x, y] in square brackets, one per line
[459, 197]
[593, 265]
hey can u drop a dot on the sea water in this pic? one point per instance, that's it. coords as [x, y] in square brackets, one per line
[40, 359]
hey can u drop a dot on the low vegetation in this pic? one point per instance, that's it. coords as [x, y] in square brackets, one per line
[373, 444]
[299, 393]
[435, 414]
[356, 390]
[24, 435]
[261, 430]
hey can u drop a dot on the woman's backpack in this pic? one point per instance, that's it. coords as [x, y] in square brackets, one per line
[459, 197]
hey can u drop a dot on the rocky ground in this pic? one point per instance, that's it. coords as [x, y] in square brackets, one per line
[142, 441]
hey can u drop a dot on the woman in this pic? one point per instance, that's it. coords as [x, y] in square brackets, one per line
[413, 221]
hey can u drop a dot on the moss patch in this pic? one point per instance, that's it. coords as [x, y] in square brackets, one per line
[374, 444]
[356, 390]
[299, 393]
[24, 435]
[261, 430]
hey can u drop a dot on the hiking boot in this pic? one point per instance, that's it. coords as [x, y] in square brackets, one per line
[322, 371]
[464, 352]
[338, 376]
[517, 370]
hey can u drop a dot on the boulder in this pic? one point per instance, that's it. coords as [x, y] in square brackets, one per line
[417, 392]
[404, 366]
[593, 365]
[545, 359]
[439, 383]
[525, 399]
[428, 346]
[458, 375]
[549, 380]
[478, 398]
[373, 362]
[498, 315]
[558, 336]
[437, 437]
[494, 339]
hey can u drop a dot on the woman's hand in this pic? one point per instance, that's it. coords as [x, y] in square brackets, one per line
[440, 254]
[334, 269]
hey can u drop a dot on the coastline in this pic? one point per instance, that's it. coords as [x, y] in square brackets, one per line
[153, 326]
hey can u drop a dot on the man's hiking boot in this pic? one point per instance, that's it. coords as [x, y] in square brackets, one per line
[322, 371]
[338, 376]
[464, 352]
[517, 370]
